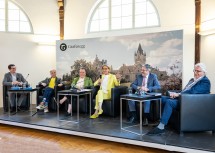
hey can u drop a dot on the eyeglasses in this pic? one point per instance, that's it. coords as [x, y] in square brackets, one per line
[13, 68]
[197, 71]
[105, 69]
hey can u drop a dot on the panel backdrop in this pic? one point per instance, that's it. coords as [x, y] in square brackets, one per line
[163, 51]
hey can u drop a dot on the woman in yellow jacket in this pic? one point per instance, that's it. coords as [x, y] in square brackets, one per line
[106, 82]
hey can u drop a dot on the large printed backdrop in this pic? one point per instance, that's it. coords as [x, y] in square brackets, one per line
[163, 51]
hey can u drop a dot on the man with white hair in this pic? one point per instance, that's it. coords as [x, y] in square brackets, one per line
[200, 84]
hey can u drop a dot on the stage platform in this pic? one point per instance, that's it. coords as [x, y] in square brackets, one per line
[108, 128]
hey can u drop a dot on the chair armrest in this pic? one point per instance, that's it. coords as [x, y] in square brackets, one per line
[197, 112]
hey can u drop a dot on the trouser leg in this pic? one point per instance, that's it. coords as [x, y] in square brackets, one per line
[99, 100]
[12, 99]
[22, 99]
[169, 105]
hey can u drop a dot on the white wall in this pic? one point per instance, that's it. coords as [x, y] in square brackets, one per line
[23, 51]
[208, 42]
[37, 60]
[178, 16]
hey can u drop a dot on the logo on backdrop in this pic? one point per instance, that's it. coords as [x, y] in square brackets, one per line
[63, 47]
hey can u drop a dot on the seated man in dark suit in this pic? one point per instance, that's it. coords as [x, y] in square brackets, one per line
[200, 84]
[14, 79]
[145, 82]
[49, 84]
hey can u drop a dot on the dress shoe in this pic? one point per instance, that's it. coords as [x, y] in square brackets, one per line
[19, 109]
[13, 109]
[156, 131]
[145, 122]
[67, 114]
[132, 120]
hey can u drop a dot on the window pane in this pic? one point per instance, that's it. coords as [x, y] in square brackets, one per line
[116, 11]
[104, 25]
[150, 8]
[23, 17]
[13, 14]
[126, 1]
[2, 14]
[25, 27]
[96, 15]
[103, 13]
[140, 21]
[140, 8]
[12, 6]
[104, 4]
[116, 23]
[2, 4]
[13, 26]
[2, 25]
[127, 22]
[127, 10]
[152, 20]
[94, 26]
[141, 0]
[116, 2]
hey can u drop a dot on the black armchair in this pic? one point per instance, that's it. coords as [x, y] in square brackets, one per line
[195, 113]
[52, 106]
[111, 107]
[25, 104]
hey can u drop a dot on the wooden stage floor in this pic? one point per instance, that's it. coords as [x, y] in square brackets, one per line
[107, 128]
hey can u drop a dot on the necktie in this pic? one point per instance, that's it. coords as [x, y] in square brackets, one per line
[144, 81]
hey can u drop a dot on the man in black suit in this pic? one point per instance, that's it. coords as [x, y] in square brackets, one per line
[14, 79]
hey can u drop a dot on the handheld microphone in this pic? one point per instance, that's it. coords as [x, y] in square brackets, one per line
[100, 76]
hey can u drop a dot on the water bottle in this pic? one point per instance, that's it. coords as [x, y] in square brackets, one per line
[24, 85]
[130, 91]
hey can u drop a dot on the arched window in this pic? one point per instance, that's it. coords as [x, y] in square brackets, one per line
[122, 14]
[13, 18]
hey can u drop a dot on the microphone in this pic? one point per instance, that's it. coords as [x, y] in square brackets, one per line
[26, 77]
[100, 76]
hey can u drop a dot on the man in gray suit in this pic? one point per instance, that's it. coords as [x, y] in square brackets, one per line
[14, 79]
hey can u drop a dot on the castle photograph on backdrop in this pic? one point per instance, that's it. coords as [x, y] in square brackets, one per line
[163, 51]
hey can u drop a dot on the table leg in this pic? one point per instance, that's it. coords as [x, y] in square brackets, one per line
[141, 109]
[121, 113]
[78, 108]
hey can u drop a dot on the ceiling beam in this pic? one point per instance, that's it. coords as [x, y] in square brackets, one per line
[61, 18]
[197, 29]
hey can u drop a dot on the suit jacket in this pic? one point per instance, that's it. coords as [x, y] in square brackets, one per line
[152, 83]
[203, 86]
[112, 82]
[87, 82]
[57, 81]
[7, 81]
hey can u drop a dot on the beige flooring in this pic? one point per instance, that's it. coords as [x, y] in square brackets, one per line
[23, 140]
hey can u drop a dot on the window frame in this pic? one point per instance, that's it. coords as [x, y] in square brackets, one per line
[7, 18]
[96, 7]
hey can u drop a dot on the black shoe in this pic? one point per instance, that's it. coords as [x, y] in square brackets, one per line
[156, 131]
[145, 122]
[19, 109]
[132, 120]
[13, 109]
[67, 114]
